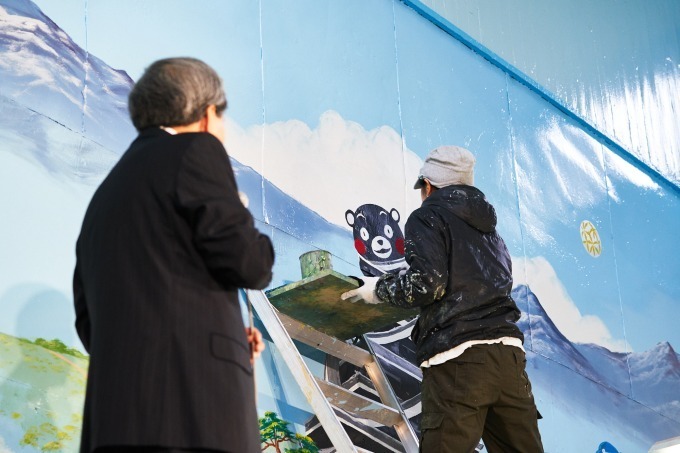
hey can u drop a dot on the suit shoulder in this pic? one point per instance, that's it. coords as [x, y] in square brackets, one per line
[203, 158]
[201, 145]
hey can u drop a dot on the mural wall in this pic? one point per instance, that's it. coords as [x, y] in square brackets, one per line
[332, 106]
[616, 64]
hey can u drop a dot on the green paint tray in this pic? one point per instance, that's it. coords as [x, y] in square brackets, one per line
[315, 301]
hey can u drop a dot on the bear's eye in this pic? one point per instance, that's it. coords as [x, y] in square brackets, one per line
[388, 231]
[364, 234]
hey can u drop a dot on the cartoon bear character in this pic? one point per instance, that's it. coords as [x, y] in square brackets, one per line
[378, 239]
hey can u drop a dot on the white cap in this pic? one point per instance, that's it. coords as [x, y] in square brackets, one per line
[447, 166]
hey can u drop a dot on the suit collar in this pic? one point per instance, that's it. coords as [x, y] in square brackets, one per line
[152, 132]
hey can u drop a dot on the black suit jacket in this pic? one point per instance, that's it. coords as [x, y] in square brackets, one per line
[164, 246]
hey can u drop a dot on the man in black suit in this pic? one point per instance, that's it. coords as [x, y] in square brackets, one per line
[165, 244]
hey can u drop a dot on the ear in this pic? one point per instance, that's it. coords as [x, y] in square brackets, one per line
[203, 122]
[349, 217]
[395, 214]
[428, 188]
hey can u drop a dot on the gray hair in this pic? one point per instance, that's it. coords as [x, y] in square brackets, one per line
[175, 92]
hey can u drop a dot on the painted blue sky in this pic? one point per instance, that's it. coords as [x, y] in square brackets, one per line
[227, 36]
[442, 93]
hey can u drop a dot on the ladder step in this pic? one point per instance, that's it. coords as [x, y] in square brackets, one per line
[358, 405]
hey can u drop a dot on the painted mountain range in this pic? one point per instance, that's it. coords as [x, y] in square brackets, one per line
[636, 394]
[65, 110]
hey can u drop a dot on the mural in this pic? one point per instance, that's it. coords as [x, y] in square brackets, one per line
[333, 105]
[615, 65]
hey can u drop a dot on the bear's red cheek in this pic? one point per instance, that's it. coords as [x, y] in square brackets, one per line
[400, 246]
[360, 246]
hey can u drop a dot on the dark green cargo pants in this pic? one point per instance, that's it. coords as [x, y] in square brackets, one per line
[485, 393]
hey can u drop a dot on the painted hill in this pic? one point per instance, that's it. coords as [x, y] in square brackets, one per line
[41, 397]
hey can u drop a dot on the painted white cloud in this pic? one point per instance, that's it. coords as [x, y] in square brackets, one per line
[539, 275]
[339, 165]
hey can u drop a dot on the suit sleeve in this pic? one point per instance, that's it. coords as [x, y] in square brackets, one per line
[82, 315]
[425, 281]
[234, 251]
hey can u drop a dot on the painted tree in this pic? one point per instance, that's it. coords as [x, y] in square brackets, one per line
[305, 445]
[274, 432]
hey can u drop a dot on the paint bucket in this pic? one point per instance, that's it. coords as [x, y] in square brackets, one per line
[311, 263]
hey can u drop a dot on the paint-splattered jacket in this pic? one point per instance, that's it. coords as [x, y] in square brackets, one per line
[460, 273]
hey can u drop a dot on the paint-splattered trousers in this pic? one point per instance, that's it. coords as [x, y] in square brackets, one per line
[485, 393]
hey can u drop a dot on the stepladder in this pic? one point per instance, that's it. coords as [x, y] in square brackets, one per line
[336, 405]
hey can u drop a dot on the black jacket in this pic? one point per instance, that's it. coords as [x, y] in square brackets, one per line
[164, 246]
[460, 273]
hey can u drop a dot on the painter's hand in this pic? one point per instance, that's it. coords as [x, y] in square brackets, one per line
[366, 292]
[256, 343]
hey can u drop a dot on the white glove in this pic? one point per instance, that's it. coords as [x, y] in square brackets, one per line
[365, 292]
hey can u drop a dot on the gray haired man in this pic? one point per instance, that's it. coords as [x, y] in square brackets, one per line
[165, 245]
[468, 344]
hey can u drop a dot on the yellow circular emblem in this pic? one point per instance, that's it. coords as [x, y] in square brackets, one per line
[591, 239]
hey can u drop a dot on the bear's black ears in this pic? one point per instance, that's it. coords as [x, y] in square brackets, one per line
[349, 217]
[395, 214]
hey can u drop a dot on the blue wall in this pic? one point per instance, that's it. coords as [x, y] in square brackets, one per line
[615, 64]
[333, 104]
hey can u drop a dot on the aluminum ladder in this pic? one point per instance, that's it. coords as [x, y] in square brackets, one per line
[323, 395]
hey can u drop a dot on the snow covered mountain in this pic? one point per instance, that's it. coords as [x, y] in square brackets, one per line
[544, 337]
[44, 70]
[636, 394]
